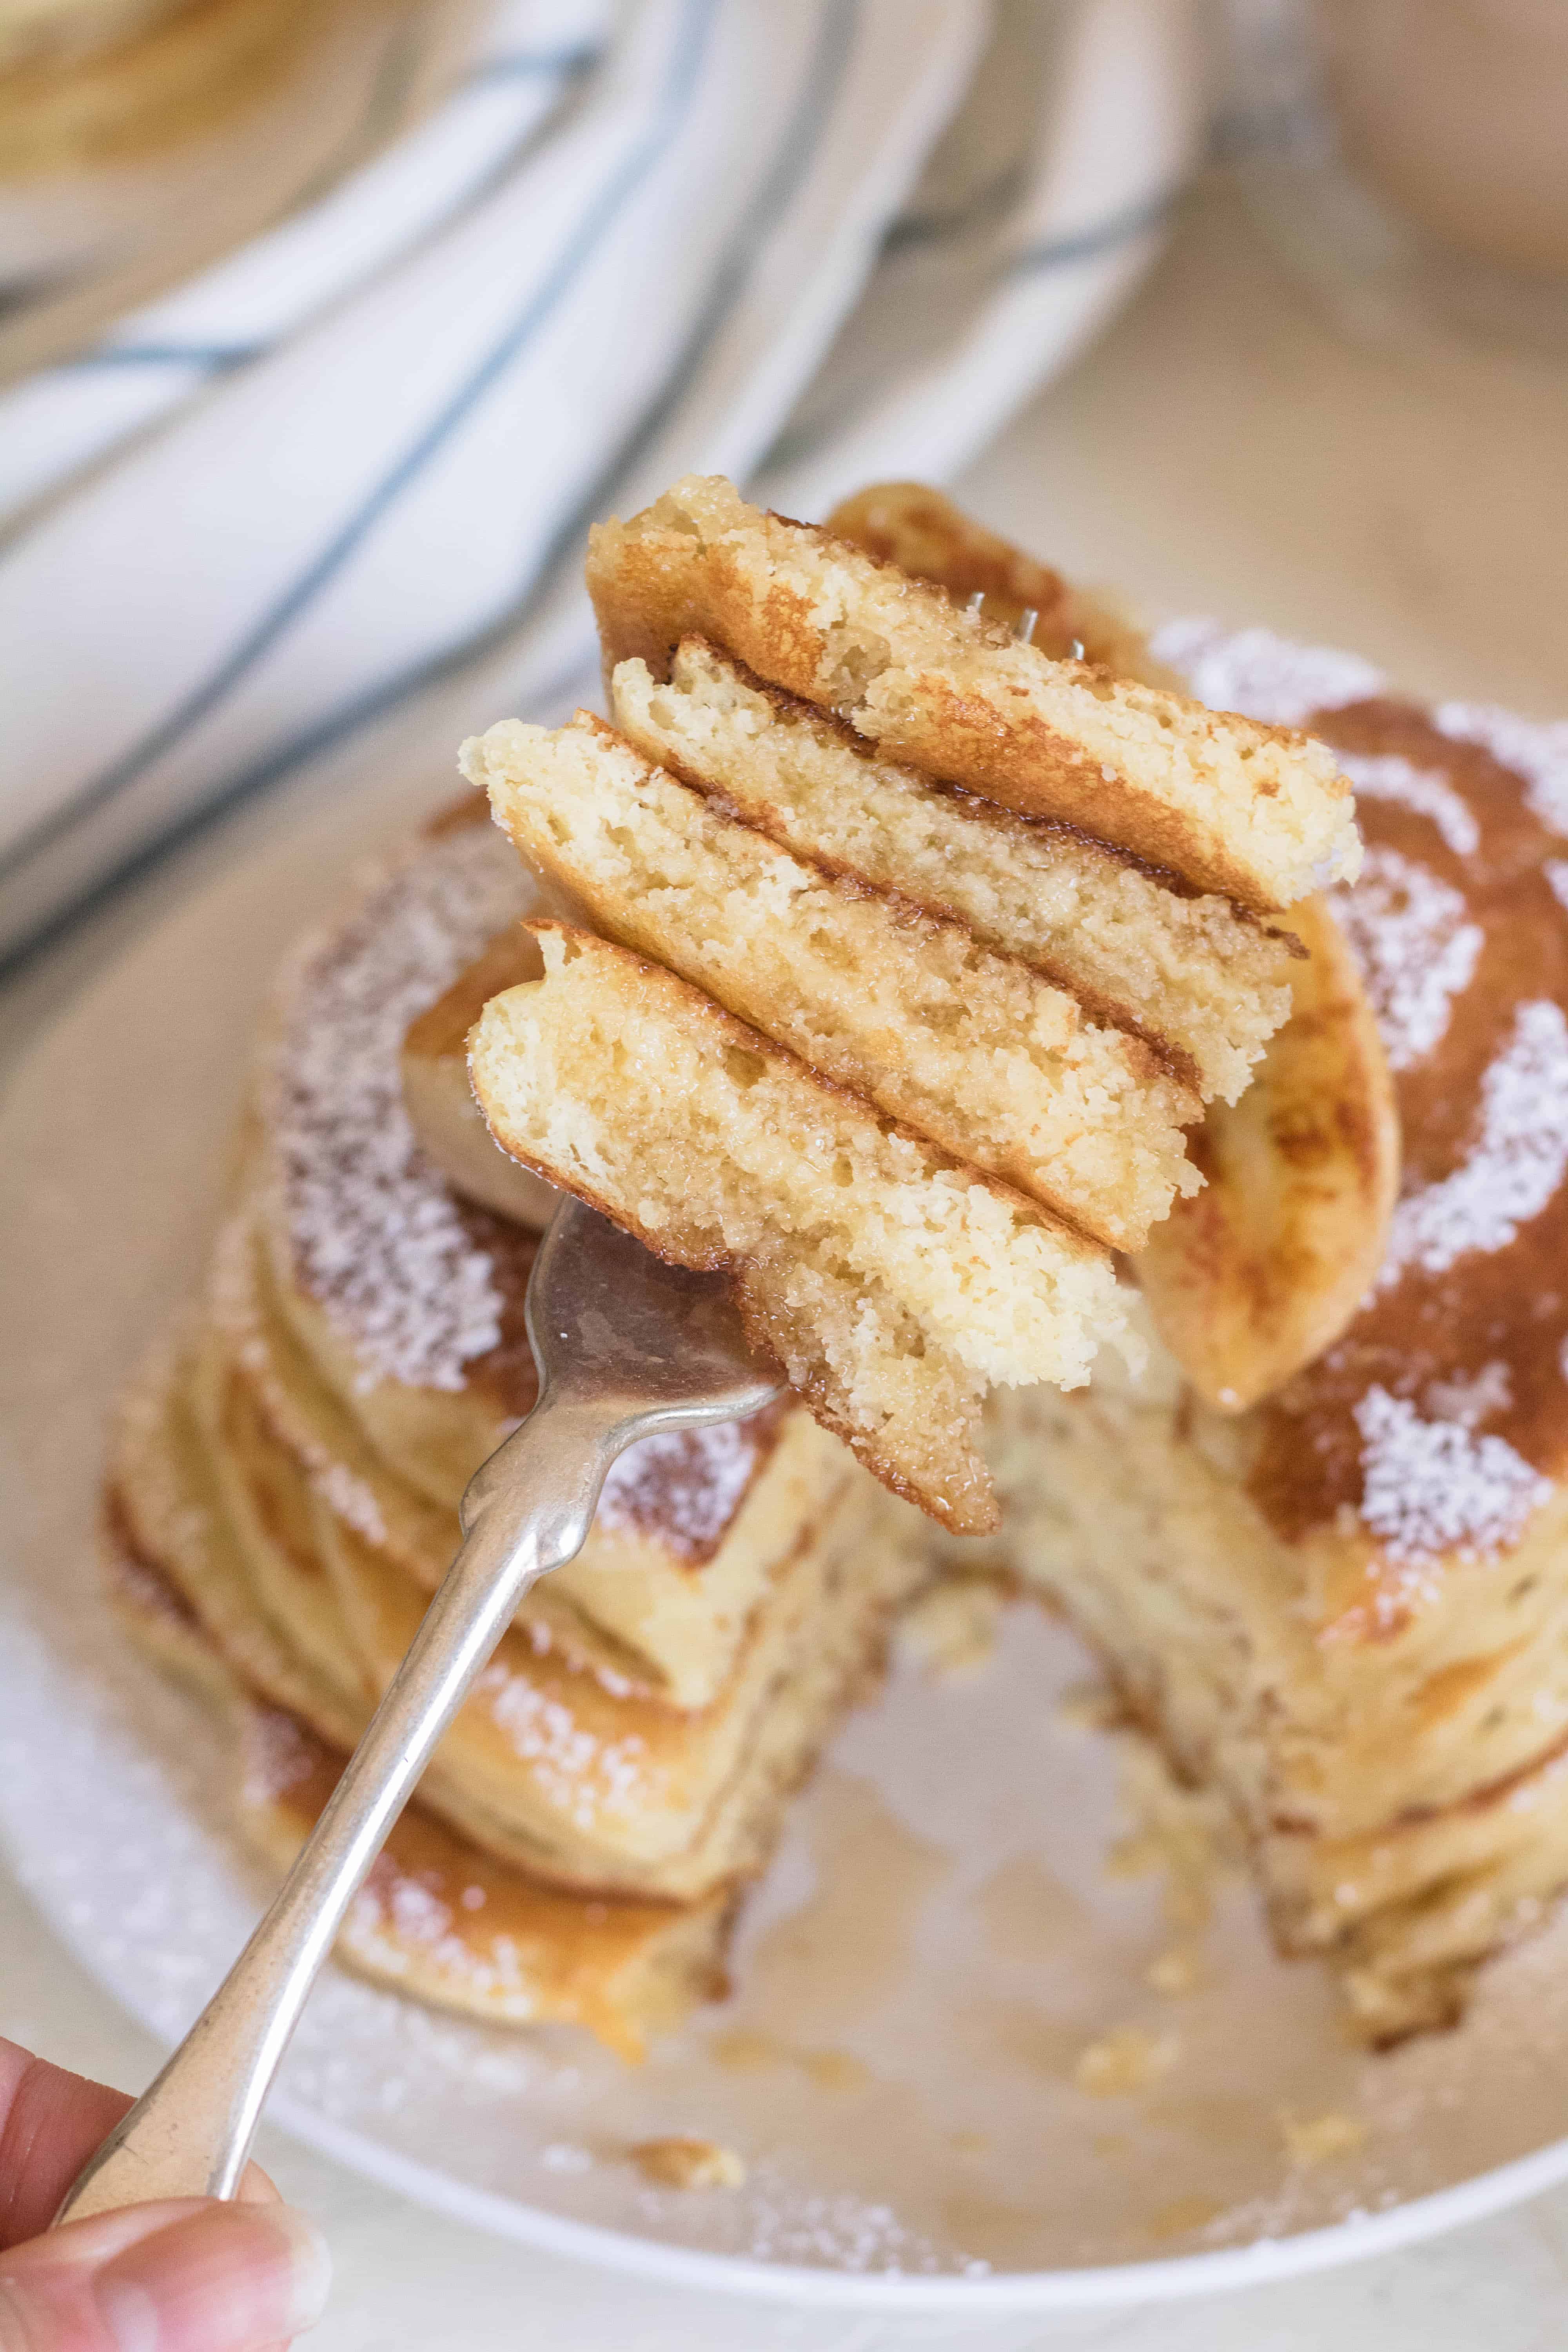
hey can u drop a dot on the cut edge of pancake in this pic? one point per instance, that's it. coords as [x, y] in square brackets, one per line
[891, 1284]
[1259, 812]
[1201, 981]
[971, 1049]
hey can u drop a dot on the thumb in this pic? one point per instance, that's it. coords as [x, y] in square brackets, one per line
[187, 2275]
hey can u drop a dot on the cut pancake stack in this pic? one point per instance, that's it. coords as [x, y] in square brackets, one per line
[1318, 1545]
[283, 1500]
[876, 998]
[1324, 1554]
[1254, 811]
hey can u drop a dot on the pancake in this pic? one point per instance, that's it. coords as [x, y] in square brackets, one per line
[903, 1007]
[1344, 1608]
[543, 1769]
[759, 1057]
[1251, 1279]
[608, 1795]
[1199, 980]
[447, 1123]
[283, 1498]
[921, 530]
[1257, 812]
[408, 1299]
[1339, 1606]
[891, 1283]
[687, 1537]
[164, 1510]
[438, 1917]
[384, 1312]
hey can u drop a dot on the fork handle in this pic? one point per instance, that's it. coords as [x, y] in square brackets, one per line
[526, 1511]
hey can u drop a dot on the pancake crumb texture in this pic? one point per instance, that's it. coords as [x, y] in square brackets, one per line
[1232, 804]
[892, 1283]
[1205, 983]
[973, 1047]
[1039, 1007]
[1341, 1608]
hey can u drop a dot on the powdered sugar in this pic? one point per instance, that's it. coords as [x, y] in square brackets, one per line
[687, 1485]
[1384, 776]
[1416, 952]
[353, 1500]
[278, 1756]
[1557, 872]
[377, 1235]
[581, 1774]
[394, 1913]
[1263, 676]
[837, 2231]
[1517, 1163]
[1431, 1487]
[1536, 750]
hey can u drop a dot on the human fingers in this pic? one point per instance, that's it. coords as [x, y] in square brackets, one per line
[50, 2122]
[181, 2276]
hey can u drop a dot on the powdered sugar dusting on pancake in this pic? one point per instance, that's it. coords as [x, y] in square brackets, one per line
[689, 1484]
[1261, 675]
[1432, 1487]
[1426, 792]
[586, 1775]
[376, 1236]
[1407, 932]
[1534, 749]
[1518, 1161]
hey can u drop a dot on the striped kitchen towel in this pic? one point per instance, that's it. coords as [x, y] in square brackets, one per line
[803, 245]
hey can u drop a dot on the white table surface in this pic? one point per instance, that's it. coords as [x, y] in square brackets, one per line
[1224, 450]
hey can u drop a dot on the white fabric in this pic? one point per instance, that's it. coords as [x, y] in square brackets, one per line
[362, 453]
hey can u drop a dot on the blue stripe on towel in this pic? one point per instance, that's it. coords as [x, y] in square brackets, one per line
[629, 170]
[984, 205]
[526, 65]
[797, 442]
[797, 149]
[1086, 244]
[215, 358]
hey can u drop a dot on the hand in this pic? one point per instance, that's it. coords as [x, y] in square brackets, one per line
[186, 2275]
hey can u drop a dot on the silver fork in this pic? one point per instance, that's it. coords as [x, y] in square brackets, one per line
[626, 1347]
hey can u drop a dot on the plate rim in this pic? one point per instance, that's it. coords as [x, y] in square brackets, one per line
[1100, 2287]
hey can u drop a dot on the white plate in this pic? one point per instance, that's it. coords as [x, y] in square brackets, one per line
[938, 1940]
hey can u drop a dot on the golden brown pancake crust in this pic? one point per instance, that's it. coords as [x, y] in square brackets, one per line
[1506, 1305]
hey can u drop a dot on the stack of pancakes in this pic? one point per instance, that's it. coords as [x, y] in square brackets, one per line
[1320, 1545]
[907, 952]
[284, 1498]
[1344, 1605]
[285, 1488]
[1316, 1543]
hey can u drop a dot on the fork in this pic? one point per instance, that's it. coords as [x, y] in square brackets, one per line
[626, 1346]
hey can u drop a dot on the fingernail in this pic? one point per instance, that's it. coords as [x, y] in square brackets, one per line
[232, 2278]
